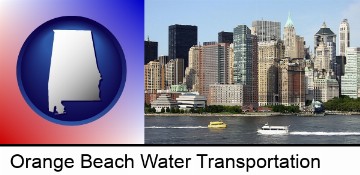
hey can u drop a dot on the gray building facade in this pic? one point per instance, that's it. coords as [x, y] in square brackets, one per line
[266, 30]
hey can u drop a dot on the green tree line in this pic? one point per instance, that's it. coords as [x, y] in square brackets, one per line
[285, 109]
[343, 103]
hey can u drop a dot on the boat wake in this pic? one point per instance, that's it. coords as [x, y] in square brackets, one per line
[174, 127]
[326, 133]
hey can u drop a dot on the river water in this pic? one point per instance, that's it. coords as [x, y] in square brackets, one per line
[330, 129]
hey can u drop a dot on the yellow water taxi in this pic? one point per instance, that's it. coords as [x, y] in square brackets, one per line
[217, 124]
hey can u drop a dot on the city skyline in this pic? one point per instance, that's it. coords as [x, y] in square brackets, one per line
[231, 13]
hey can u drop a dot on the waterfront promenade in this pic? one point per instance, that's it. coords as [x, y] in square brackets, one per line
[261, 114]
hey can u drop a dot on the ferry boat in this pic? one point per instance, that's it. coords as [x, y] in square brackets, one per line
[267, 129]
[217, 124]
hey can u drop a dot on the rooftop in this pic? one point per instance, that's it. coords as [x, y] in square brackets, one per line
[324, 30]
[289, 22]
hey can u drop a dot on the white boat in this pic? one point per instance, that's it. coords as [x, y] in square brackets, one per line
[267, 129]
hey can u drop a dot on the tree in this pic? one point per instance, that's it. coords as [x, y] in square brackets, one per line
[177, 110]
[343, 103]
[172, 110]
[192, 110]
[148, 110]
[200, 110]
[162, 110]
[153, 110]
[167, 109]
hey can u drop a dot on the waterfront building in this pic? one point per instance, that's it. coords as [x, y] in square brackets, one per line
[181, 39]
[344, 37]
[213, 65]
[190, 100]
[226, 94]
[152, 96]
[266, 30]
[162, 102]
[325, 88]
[269, 54]
[292, 82]
[151, 51]
[350, 81]
[243, 65]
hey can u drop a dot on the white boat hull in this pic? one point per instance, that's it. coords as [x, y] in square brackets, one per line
[273, 132]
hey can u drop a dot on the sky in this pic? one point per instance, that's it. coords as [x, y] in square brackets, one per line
[213, 16]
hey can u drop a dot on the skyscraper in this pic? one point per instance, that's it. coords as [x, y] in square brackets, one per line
[292, 82]
[344, 37]
[243, 72]
[294, 44]
[181, 39]
[270, 53]
[300, 51]
[325, 48]
[223, 58]
[266, 30]
[192, 71]
[289, 38]
[214, 65]
[340, 69]
[152, 77]
[323, 58]
[325, 88]
[163, 60]
[231, 65]
[254, 93]
[174, 72]
[208, 68]
[309, 83]
[151, 51]
[242, 55]
[225, 37]
[350, 82]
